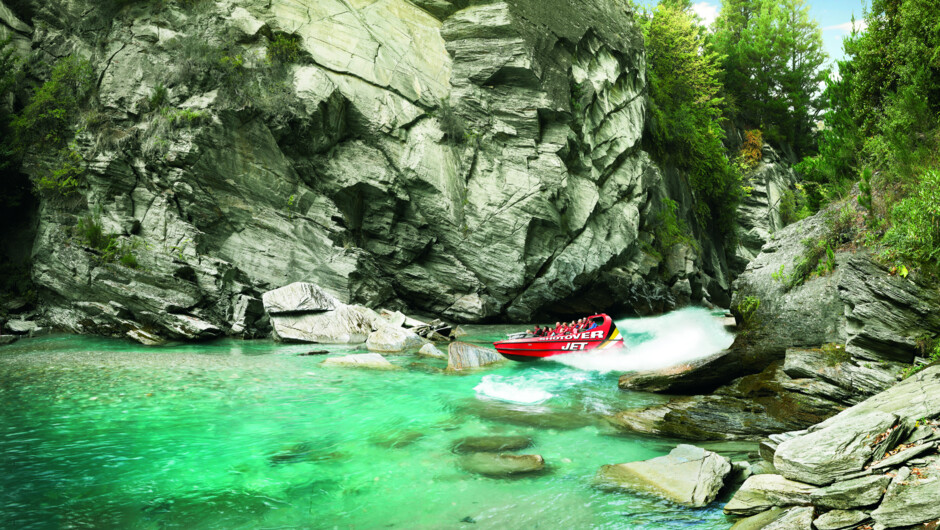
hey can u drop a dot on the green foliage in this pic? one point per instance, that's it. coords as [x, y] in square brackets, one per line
[835, 354]
[158, 96]
[747, 311]
[884, 108]
[110, 247]
[48, 118]
[91, 232]
[671, 230]
[284, 49]
[931, 359]
[244, 81]
[793, 206]
[818, 257]
[685, 128]
[773, 57]
[914, 235]
[66, 178]
[452, 124]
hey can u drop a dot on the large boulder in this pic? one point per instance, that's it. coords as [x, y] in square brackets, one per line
[835, 366]
[911, 499]
[463, 356]
[825, 455]
[761, 492]
[688, 475]
[877, 315]
[845, 443]
[389, 339]
[844, 495]
[347, 324]
[298, 297]
[837, 519]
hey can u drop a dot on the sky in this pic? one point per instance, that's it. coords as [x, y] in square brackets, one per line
[834, 17]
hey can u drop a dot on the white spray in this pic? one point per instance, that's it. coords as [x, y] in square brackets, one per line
[670, 340]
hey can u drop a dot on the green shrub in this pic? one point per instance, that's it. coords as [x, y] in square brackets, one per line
[284, 49]
[932, 358]
[48, 117]
[747, 311]
[111, 248]
[793, 206]
[90, 231]
[158, 96]
[67, 177]
[671, 230]
[835, 354]
[452, 124]
[914, 234]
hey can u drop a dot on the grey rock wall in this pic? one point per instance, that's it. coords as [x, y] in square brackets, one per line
[480, 162]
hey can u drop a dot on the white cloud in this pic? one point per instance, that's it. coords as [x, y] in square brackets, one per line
[860, 25]
[705, 11]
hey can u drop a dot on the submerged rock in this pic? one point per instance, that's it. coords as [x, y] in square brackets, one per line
[464, 356]
[491, 444]
[528, 415]
[501, 465]
[688, 475]
[362, 360]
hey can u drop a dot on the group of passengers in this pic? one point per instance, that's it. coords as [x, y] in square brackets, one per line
[563, 328]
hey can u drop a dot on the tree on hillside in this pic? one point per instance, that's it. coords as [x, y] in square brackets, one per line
[773, 60]
[685, 129]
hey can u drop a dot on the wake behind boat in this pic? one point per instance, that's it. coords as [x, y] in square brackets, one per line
[600, 334]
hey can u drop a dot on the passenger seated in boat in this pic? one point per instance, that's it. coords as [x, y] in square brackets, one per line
[558, 329]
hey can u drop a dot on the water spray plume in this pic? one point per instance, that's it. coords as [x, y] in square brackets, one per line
[658, 342]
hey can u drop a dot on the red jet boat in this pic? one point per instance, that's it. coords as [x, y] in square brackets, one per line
[528, 348]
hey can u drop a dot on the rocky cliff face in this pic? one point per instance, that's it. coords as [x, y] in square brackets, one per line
[475, 161]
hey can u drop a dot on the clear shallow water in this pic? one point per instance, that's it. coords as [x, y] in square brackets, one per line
[247, 434]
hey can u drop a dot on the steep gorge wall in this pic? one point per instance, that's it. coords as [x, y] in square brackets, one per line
[480, 162]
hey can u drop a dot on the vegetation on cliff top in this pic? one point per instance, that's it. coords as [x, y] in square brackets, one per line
[882, 130]
[759, 69]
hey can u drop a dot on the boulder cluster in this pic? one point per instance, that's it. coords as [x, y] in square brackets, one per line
[873, 464]
[303, 312]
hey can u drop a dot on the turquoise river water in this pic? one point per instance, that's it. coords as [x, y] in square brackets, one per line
[104, 433]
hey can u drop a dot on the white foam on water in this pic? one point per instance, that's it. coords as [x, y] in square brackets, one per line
[675, 338]
[534, 387]
[513, 390]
